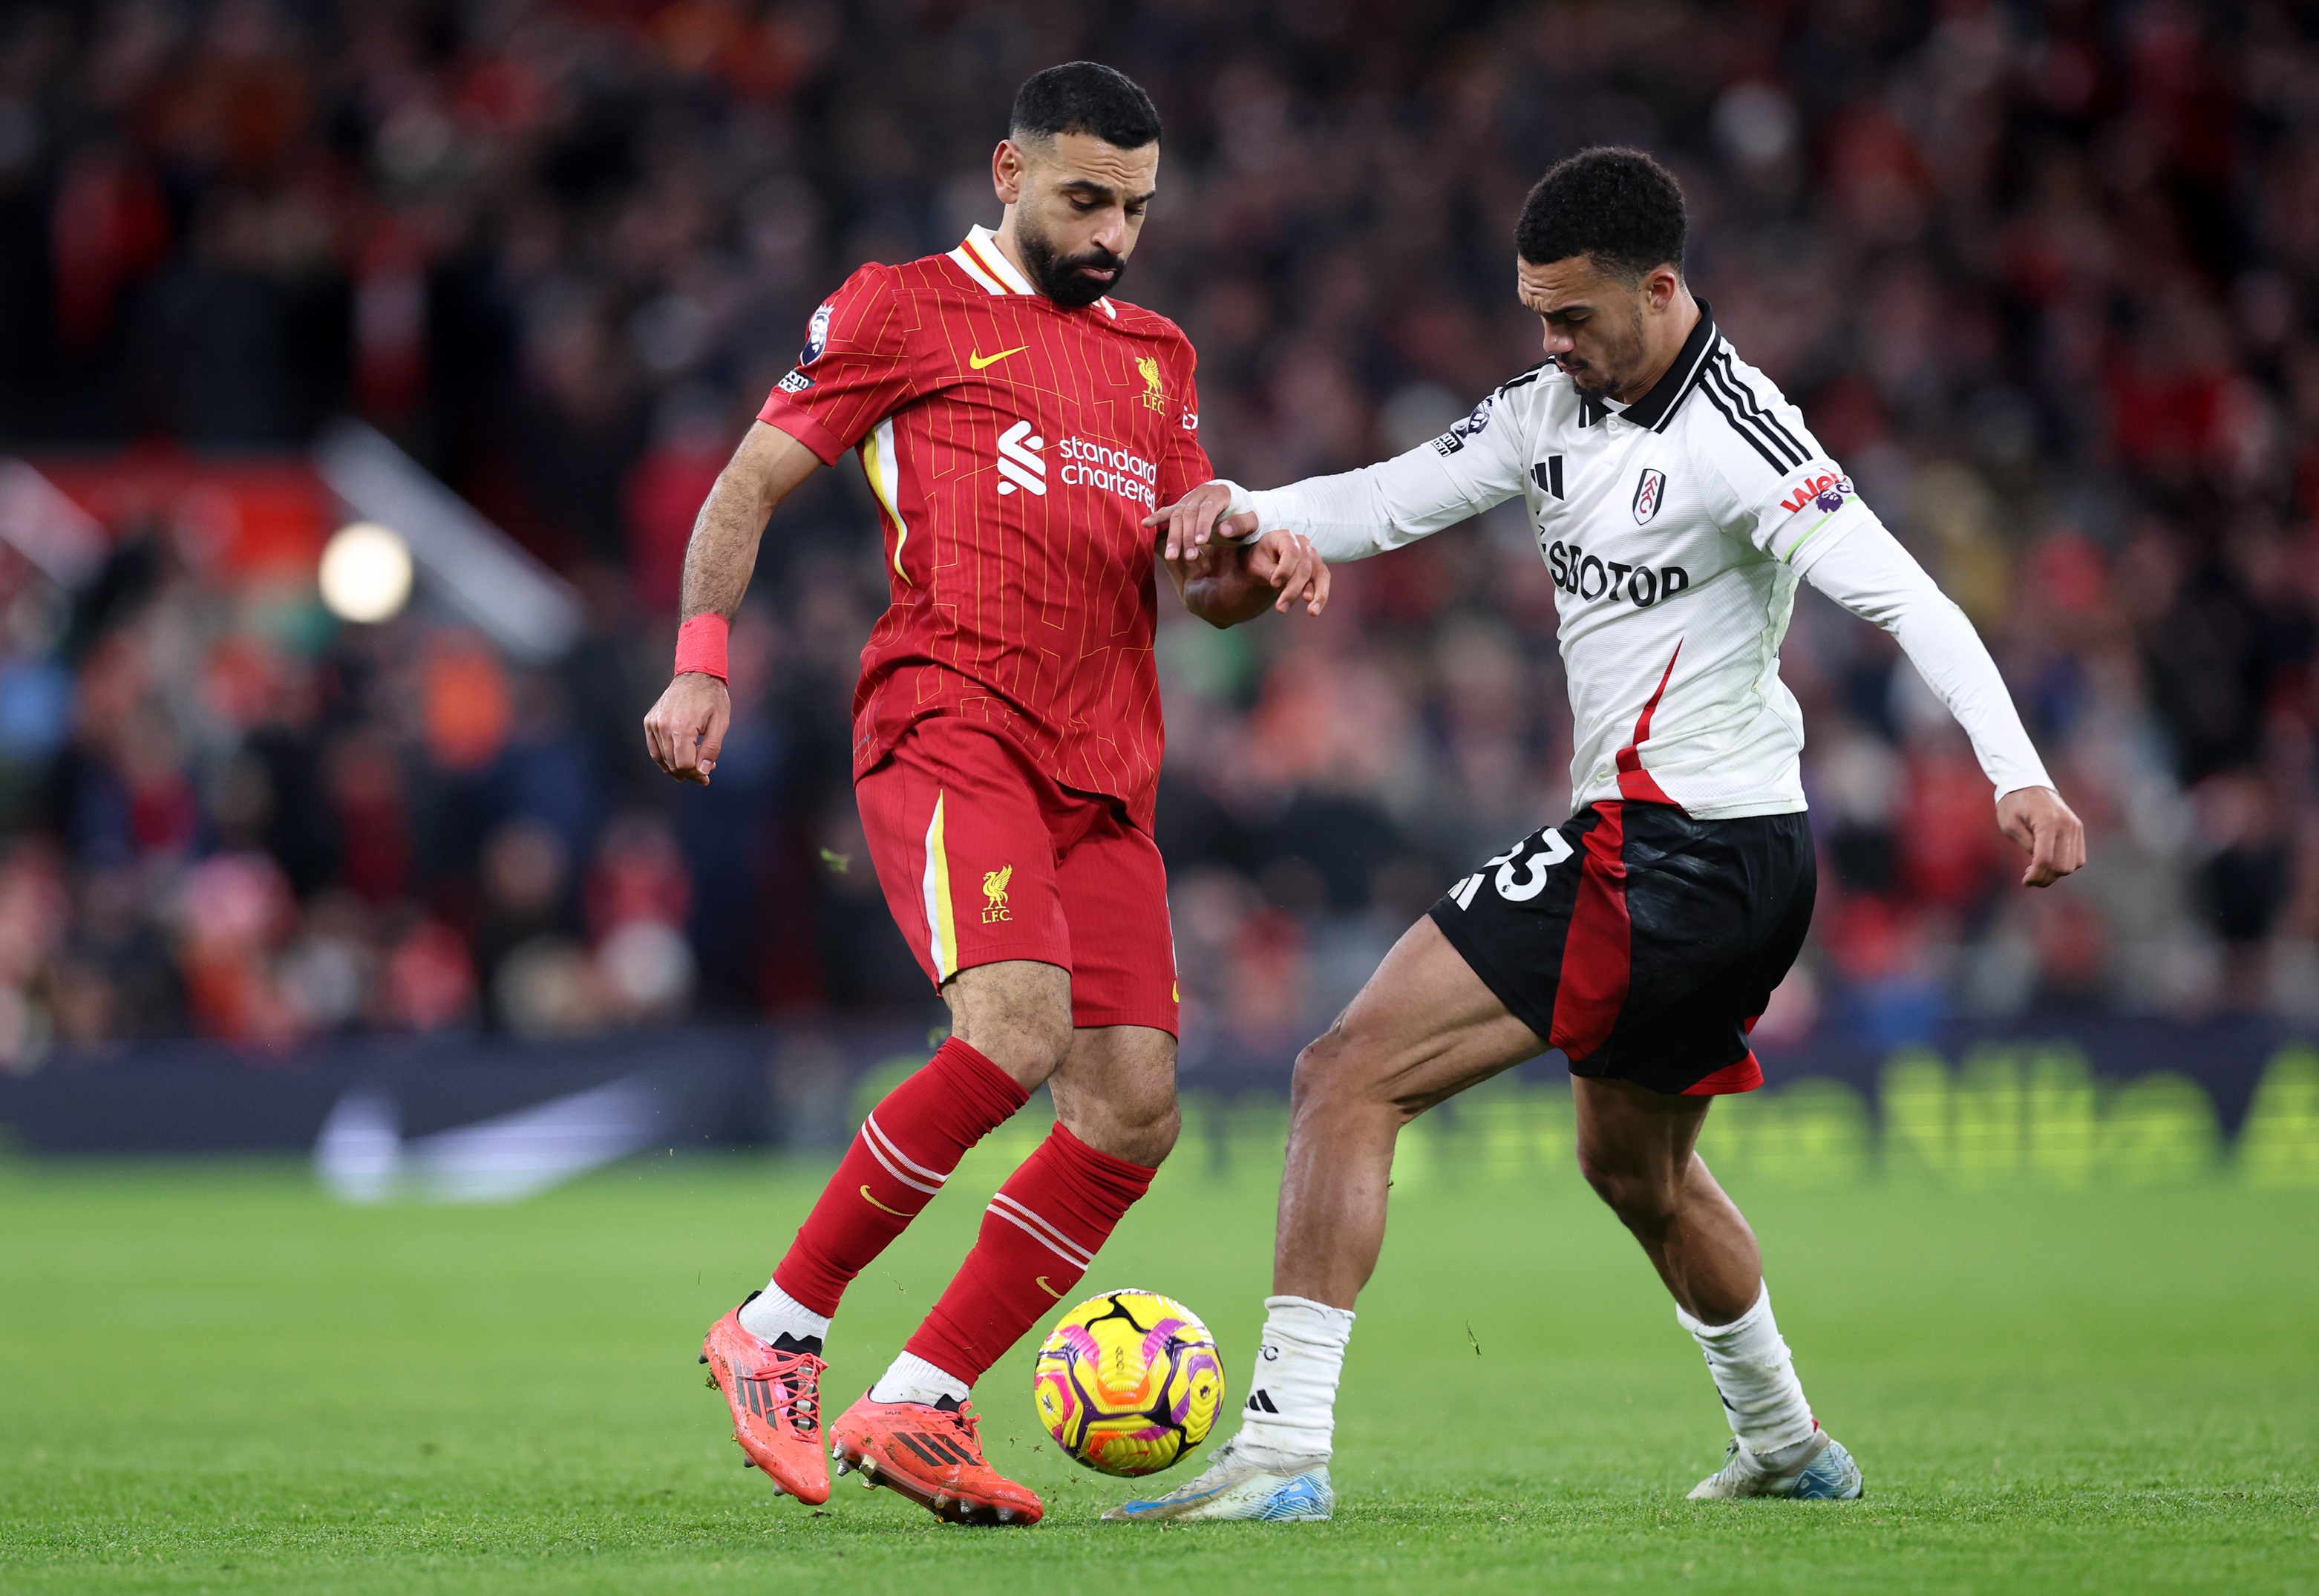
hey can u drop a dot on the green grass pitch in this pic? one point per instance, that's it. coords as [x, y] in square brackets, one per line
[213, 1378]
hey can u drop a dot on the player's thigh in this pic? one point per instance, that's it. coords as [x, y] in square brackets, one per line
[1632, 1136]
[957, 830]
[1114, 890]
[1423, 1028]
[1116, 1091]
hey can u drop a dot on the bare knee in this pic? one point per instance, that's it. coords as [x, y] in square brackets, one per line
[1154, 1139]
[1117, 1093]
[1644, 1197]
[1028, 1048]
[1136, 1119]
[1140, 1135]
[1313, 1081]
[1334, 1077]
[1322, 1080]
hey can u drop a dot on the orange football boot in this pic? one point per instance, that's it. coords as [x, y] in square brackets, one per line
[933, 1457]
[776, 1401]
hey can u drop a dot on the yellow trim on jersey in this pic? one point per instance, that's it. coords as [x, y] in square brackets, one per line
[884, 472]
[941, 925]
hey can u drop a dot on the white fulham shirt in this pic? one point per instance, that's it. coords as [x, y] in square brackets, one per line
[1676, 529]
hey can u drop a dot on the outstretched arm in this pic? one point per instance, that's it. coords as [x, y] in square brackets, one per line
[1868, 573]
[1477, 465]
[1226, 584]
[1346, 517]
[685, 731]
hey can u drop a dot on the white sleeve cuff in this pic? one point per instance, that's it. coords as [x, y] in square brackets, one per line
[1242, 501]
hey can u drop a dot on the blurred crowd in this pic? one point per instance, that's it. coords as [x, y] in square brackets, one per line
[2044, 274]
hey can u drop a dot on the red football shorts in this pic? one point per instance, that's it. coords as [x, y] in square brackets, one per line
[985, 857]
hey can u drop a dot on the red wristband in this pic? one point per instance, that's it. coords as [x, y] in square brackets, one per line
[700, 645]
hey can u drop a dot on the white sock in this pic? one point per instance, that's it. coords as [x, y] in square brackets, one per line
[773, 1314]
[1756, 1376]
[912, 1379]
[1292, 1398]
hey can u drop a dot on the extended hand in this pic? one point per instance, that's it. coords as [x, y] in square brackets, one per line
[2046, 829]
[1193, 520]
[1290, 563]
[685, 731]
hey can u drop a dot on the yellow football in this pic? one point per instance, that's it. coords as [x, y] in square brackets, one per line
[1128, 1383]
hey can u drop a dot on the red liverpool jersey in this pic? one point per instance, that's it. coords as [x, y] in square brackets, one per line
[1015, 446]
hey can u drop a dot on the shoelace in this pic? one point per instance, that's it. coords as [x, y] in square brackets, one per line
[969, 1424]
[790, 1398]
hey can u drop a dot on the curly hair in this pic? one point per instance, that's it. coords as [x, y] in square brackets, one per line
[1618, 206]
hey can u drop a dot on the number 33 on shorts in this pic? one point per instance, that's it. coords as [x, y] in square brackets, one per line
[1517, 880]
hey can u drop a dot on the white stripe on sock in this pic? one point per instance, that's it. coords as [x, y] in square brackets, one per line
[877, 1141]
[894, 1147]
[1053, 1240]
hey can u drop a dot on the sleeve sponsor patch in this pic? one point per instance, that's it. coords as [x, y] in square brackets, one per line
[796, 382]
[1472, 426]
[1822, 490]
[816, 335]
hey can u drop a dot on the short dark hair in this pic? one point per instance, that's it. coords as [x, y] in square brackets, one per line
[1617, 206]
[1085, 97]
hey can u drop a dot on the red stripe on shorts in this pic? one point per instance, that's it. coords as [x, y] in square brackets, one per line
[1601, 942]
[1744, 1075]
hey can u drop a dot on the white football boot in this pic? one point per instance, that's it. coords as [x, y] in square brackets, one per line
[1243, 1481]
[1822, 1471]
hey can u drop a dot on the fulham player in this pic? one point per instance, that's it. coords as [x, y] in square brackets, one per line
[1016, 425]
[1678, 498]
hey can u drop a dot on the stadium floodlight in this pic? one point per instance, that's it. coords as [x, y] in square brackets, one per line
[476, 572]
[366, 572]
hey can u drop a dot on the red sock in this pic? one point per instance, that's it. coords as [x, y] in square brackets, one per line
[900, 1159]
[1038, 1235]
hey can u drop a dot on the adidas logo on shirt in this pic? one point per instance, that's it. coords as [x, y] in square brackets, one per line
[1020, 463]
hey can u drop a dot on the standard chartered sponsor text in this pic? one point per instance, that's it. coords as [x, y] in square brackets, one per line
[1115, 471]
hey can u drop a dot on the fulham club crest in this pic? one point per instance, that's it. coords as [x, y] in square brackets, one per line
[1648, 494]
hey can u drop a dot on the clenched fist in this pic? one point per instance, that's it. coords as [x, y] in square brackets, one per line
[685, 731]
[2044, 828]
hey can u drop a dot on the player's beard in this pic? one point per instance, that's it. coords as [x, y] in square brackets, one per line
[1603, 378]
[1059, 277]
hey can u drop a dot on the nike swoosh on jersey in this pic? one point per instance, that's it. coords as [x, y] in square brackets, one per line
[978, 360]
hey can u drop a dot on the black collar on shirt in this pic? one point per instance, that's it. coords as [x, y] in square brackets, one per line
[1653, 409]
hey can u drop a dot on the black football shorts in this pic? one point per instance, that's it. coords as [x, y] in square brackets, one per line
[1640, 941]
